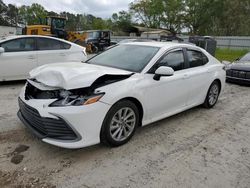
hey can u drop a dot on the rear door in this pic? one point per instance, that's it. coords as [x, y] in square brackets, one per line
[18, 59]
[51, 51]
[198, 76]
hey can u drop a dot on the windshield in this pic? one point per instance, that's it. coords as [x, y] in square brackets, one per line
[127, 57]
[246, 57]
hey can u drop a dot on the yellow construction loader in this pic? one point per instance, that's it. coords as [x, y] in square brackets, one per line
[53, 26]
[93, 40]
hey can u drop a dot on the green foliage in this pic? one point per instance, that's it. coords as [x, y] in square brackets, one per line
[159, 13]
[229, 54]
[3, 13]
[173, 15]
[148, 12]
[121, 21]
[31, 15]
[199, 17]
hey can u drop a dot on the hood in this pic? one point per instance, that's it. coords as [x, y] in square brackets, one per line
[73, 75]
[242, 66]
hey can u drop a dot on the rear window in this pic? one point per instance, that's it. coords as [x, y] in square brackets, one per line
[196, 58]
[50, 44]
[65, 45]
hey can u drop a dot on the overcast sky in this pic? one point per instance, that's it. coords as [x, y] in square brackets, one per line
[102, 8]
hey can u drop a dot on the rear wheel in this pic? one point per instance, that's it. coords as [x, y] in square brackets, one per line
[212, 95]
[120, 123]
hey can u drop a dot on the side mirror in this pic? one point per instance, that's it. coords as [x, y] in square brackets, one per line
[2, 50]
[163, 71]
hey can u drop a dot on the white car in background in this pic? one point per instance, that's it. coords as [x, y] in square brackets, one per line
[106, 98]
[20, 54]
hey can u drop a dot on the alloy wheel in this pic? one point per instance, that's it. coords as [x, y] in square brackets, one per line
[122, 124]
[213, 94]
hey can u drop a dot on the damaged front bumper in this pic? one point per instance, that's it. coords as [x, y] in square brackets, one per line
[67, 127]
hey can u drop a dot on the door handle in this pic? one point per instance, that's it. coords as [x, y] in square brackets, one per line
[31, 57]
[62, 54]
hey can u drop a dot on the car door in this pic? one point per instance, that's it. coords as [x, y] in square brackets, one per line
[18, 59]
[198, 76]
[50, 51]
[168, 95]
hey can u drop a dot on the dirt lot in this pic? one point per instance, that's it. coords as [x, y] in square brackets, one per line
[197, 148]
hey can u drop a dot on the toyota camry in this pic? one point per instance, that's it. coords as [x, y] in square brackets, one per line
[109, 96]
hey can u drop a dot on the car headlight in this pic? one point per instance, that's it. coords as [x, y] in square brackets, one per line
[77, 100]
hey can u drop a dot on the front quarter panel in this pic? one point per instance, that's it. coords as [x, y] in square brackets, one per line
[123, 89]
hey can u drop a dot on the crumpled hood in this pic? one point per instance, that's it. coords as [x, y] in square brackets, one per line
[72, 75]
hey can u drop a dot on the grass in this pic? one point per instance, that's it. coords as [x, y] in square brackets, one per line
[229, 54]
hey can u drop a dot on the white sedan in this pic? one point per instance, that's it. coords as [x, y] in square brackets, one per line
[20, 54]
[105, 99]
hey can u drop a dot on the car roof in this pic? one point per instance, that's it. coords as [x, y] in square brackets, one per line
[27, 36]
[165, 45]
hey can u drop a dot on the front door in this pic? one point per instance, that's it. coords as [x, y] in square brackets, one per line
[168, 95]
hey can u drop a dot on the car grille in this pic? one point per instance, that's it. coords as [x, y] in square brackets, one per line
[238, 74]
[46, 127]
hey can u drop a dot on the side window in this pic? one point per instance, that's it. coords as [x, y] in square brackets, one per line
[19, 45]
[174, 60]
[65, 45]
[196, 58]
[50, 44]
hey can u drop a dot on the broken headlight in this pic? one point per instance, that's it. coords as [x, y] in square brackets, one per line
[70, 99]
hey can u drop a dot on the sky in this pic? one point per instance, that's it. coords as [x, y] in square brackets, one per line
[100, 8]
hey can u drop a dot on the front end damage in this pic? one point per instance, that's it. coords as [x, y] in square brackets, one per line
[65, 118]
[75, 97]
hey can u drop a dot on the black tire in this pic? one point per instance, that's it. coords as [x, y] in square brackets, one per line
[106, 135]
[208, 103]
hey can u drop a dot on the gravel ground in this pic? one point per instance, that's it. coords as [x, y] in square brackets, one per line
[197, 148]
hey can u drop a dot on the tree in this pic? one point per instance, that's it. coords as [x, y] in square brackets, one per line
[99, 23]
[12, 14]
[147, 11]
[166, 14]
[34, 14]
[172, 15]
[199, 15]
[3, 13]
[121, 21]
[218, 17]
[235, 18]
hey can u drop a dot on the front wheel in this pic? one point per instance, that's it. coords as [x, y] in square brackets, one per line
[212, 95]
[120, 123]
